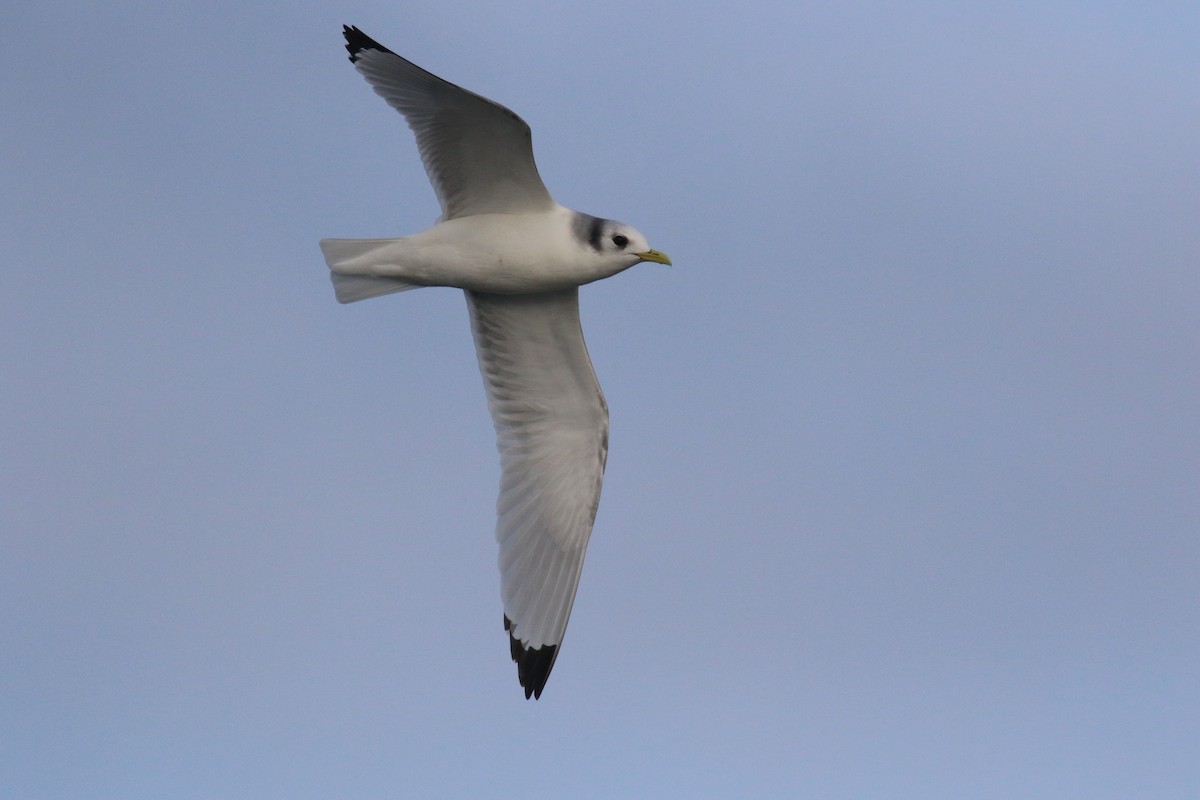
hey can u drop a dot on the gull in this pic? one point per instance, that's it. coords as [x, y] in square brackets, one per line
[520, 258]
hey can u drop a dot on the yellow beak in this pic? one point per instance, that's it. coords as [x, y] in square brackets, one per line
[654, 255]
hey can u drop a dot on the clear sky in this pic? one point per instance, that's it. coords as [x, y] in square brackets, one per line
[902, 494]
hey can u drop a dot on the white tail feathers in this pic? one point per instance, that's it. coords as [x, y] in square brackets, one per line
[352, 288]
[354, 264]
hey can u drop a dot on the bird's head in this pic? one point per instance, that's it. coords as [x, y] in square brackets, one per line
[616, 240]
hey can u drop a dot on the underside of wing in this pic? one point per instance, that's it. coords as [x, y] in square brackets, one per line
[478, 154]
[552, 433]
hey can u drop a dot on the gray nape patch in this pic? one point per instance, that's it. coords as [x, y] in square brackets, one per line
[588, 229]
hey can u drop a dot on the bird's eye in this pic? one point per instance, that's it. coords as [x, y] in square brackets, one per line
[619, 240]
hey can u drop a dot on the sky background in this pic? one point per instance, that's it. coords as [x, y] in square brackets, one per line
[903, 490]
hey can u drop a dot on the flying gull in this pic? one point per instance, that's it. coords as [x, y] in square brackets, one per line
[520, 258]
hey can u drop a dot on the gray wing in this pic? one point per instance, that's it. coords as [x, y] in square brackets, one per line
[478, 154]
[552, 433]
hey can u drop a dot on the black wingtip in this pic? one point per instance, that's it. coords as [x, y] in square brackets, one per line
[533, 663]
[357, 41]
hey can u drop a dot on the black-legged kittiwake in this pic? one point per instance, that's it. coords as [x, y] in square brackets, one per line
[520, 258]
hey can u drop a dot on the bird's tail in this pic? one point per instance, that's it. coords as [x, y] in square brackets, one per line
[353, 268]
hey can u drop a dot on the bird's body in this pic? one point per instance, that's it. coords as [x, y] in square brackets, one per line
[497, 253]
[520, 258]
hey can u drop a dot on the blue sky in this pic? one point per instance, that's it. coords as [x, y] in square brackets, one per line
[901, 497]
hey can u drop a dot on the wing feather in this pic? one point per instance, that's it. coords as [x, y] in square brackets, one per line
[552, 433]
[478, 154]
